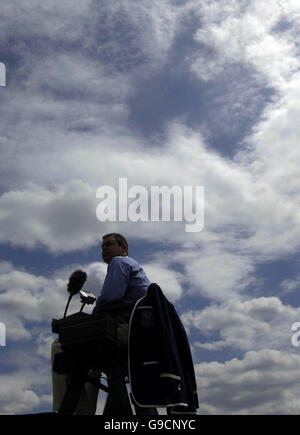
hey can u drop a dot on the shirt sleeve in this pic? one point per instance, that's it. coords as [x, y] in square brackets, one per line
[116, 281]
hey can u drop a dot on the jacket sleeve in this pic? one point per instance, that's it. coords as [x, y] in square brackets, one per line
[176, 363]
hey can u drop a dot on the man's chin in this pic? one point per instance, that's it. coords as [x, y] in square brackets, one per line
[106, 259]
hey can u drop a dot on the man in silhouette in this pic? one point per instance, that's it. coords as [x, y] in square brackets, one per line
[124, 284]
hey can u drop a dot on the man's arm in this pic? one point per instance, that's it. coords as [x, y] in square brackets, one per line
[115, 283]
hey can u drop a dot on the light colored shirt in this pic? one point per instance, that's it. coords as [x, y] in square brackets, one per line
[125, 279]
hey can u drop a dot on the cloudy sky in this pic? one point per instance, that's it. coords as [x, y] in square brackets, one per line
[162, 92]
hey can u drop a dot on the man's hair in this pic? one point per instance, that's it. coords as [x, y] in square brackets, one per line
[119, 238]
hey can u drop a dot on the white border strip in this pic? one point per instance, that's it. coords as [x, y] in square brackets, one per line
[170, 375]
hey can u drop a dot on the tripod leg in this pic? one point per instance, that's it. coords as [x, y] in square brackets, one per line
[145, 411]
[74, 389]
[117, 402]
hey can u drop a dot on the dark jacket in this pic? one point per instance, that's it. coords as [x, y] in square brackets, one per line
[161, 370]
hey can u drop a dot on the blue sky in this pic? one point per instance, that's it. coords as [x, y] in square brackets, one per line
[185, 93]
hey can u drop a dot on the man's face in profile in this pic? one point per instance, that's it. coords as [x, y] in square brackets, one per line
[111, 249]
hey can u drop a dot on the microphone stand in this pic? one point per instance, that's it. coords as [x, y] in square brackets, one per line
[84, 302]
[70, 297]
[82, 306]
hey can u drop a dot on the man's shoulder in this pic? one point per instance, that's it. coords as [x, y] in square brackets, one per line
[123, 260]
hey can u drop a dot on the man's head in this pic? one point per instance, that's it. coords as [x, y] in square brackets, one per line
[113, 245]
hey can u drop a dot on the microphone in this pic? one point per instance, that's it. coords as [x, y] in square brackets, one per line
[76, 281]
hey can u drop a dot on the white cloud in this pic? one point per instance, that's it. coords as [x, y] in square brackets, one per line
[240, 33]
[290, 285]
[248, 52]
[139, 34]
[214, 273]
[61, 220]
[261, 323]
[14, 401]
[57, 148]
[54, 20]
[28, 300]
[25, 382]
[239, 194]
[168, 280]
[264, 382]
[249, 215]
